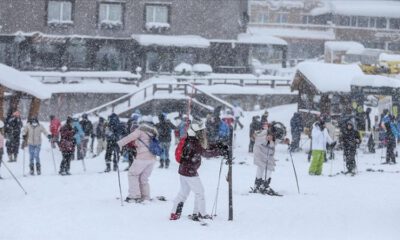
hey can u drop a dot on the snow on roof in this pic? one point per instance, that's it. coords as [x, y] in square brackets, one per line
[358, 8]
[375, 81]
[293, 33]
[202, 68]
[172, 40]
[344, 46]
[280, 4]
[327, 77]
[19, 81]
[86, 74]
[249, 38]
[389, 57]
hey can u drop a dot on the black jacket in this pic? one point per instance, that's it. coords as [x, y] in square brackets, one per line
[349, 138]
[164, 129]
[87, 127]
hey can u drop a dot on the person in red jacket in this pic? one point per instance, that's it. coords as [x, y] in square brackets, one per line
[55, 125]
[194, 148]
[67, 146]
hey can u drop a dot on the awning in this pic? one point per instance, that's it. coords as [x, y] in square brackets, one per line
[248, 38]
[192, 41]
[19, 81]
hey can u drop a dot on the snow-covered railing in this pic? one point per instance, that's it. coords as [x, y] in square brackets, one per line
[77, 76]
[147, 92]
[237, 79]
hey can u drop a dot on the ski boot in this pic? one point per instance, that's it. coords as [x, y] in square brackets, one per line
[161, 164]
[166, 163]
[38, 169]
[177, 214]
[133, 200]
[32, 169]
[115, 167]
[108, 168]
[257, 185]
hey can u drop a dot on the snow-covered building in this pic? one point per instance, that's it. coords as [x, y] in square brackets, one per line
[324, 88]
[122, 35]
[307, 24]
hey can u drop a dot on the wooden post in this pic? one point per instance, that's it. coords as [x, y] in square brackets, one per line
[2, 102]
[14, 102]
[35, 107]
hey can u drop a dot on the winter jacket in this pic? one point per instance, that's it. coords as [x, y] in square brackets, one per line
[320, 138]
[144, 133]
[164, 129]
[350, 138]
[264, 151]
[1, 142]
[79, 134]
[87, 127]
[100, 130]
[255, 125]
[34, 134]
[12, 128]
[67, 141]
[191, 157]
[115, 129]
[296, 124]
[55, 126]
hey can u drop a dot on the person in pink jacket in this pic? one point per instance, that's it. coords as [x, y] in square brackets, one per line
[1, 143]
[142, 166]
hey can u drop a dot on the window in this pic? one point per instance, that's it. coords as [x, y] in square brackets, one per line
[3, 56]
[77, 55]
[353, 22]
[372, 22]
[108, 58]
[394, 47]
[363, 21]
[262, 18]
[158, 61]
[110, 15]
[344, 21]
[281, 18]
[394, 23]
[381, 23]
[156, 14]
[59, 12]
[46, 55]
[184, 57]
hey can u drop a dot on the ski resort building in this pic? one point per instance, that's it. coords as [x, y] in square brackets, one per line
[137, 36]
[307, 24]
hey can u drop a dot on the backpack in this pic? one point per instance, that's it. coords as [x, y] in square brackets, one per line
[154, 146]
[179, 149]
[223, 130]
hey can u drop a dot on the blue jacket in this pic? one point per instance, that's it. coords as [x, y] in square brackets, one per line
[79, 134]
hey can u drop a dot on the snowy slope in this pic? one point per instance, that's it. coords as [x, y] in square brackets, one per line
[84, 205]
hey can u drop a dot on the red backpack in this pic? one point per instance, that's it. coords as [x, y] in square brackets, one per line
[179, 149]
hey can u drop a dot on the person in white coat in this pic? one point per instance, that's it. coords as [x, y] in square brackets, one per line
[320, 137]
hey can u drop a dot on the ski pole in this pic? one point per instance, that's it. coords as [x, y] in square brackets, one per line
[54, 160]
[5, 165]
[119, 177]
[214, 208]
[295, 173]
[23, 162]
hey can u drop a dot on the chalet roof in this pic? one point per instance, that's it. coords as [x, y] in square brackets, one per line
[172, 40]
[327, 77]
[19, 81]
[248, 38]
[375, 81]
[359, 8]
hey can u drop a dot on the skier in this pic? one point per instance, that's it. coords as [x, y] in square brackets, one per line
[164, 128]
[351, 139]
[79, 135]
[264, 150]
[1, 143]
[217, 130]
[237, 113]
[296, 127]
[392, 133]
[142, 167]
[114, 132]
[12, 132]
[194, 147]
[87, 128]
[320, 138]
[67, 145]
[130, 148]
[264, 120]
[55, 125]
[255, 126]
[32, 136]
[100, 135]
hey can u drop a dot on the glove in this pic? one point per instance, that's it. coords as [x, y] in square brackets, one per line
[49, 137]
[333, 144]
[93, 135]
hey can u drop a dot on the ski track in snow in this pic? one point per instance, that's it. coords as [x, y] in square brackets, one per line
[84, 205]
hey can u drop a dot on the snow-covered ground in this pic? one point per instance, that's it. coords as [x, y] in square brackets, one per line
[84, 205]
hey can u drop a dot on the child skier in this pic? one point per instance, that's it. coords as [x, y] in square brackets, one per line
[194, 147]
[264, 150]
[350, 139]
